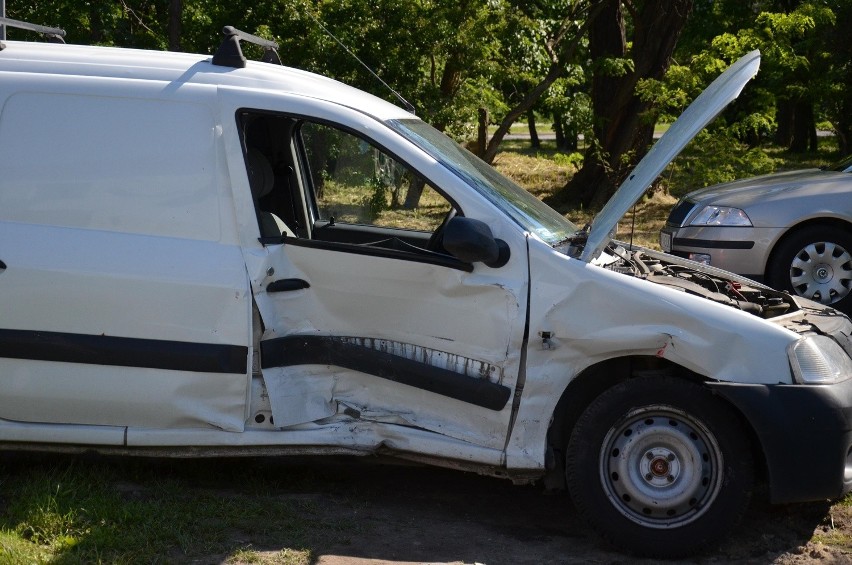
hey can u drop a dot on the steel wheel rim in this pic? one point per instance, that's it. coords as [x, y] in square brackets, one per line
[822, 272]
[660, 467]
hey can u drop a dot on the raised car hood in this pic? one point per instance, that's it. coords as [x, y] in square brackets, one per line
[703, 109]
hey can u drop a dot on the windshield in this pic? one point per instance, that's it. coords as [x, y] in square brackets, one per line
[528, 211]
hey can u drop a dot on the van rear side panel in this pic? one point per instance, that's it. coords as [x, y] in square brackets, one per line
[122, 275]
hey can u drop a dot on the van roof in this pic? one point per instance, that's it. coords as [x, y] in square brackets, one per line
[168, 66]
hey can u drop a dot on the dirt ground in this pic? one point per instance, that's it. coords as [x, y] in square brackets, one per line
[412, 515]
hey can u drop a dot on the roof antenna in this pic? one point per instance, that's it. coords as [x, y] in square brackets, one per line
[408, 105]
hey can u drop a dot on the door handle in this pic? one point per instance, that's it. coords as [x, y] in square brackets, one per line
[285, 285]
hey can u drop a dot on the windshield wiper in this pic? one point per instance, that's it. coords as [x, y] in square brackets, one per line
[575, 242]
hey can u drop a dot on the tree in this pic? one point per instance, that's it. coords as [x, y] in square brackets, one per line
[623, 128]
[561, 43]
[805, 73]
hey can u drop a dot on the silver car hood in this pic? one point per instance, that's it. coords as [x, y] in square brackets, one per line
[703, 109]
[746, 192]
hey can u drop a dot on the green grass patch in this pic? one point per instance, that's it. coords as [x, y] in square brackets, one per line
[132, 511]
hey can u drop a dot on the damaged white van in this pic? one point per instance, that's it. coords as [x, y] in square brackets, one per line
[196, 259]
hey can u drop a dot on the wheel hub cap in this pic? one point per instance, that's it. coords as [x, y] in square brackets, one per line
[660, 467]
[822, 271]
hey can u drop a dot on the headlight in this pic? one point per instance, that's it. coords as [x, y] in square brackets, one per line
[819, 360]
[720, 216]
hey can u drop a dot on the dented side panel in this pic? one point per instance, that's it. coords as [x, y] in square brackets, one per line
[382, 339]
[417, 328]
[592, 314]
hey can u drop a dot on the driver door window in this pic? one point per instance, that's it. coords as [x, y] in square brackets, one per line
[357, 183]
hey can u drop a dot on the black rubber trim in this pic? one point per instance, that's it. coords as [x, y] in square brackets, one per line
[795, 424]
[285, 285]
[2, 265]
[123, 351]
[330, 350]
[422, 257]
[712, 243]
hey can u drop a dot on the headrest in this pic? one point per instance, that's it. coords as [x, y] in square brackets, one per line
[260, 174]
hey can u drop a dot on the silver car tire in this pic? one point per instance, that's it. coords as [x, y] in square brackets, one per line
[816, 263]
[660, 466]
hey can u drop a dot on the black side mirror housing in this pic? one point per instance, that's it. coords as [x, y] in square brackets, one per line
[472, 241]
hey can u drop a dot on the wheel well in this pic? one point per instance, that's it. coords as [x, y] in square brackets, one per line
[820, 222]
[600, 377]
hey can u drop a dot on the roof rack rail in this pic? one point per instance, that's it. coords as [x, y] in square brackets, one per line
[52, 34]
[229, 53]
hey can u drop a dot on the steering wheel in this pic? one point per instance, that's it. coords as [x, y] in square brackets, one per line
[436, 242]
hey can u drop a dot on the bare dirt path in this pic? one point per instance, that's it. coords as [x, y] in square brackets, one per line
[423, 515]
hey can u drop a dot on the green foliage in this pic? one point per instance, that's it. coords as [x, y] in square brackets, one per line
[615, 66]
[450, 58]
[573, 160]
[799, 64]
[376, 201]
[714, 158]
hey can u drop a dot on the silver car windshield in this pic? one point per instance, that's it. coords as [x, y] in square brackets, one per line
[528, 211]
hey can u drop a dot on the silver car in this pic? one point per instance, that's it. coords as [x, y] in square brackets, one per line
[792, 230]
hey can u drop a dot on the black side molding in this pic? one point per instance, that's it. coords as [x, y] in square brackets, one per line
[712, 243]
[123, 351]
[337, 351]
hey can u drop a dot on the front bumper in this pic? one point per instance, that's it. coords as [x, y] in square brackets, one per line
[741, 250]
[805, 433]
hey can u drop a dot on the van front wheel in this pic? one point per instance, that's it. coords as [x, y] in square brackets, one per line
[660, 466]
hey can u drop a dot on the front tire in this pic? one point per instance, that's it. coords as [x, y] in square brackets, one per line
[660, 467]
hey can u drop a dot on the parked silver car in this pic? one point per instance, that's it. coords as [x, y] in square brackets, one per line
[792, 230]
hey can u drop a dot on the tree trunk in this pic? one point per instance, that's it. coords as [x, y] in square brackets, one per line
[561, 142]
[621, 136]
[804, 128]
[535, 142]
[784, 118]
[96, 34]
[482, 132]
[415, 191]
[175, 12]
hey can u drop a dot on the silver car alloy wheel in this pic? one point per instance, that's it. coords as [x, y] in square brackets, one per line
[822, 271]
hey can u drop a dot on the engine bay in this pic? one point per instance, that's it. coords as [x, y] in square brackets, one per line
[713, 284]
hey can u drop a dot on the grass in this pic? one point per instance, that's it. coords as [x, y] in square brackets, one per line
[72, 510]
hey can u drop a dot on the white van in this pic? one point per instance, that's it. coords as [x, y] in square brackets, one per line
[199, 257]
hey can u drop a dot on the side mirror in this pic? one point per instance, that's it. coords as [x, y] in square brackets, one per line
[471, 241]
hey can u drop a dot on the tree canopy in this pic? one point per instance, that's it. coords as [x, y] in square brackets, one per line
[607, 70]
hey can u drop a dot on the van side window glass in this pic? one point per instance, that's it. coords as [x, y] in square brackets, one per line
[357, 183]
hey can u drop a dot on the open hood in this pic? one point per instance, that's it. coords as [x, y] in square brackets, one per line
[703, 109]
